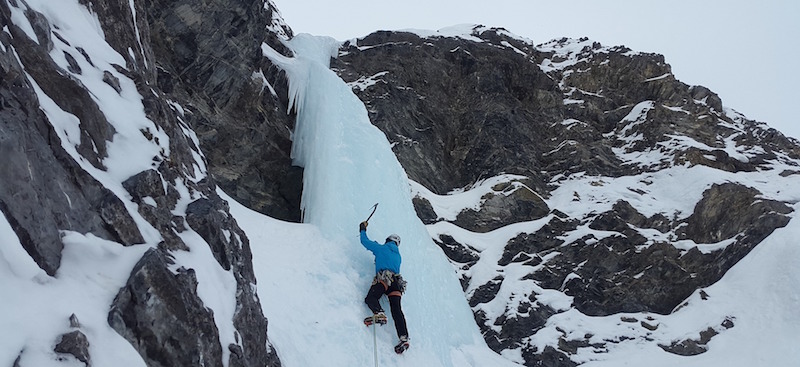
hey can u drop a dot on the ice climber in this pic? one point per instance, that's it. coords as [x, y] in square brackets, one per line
[387, 281]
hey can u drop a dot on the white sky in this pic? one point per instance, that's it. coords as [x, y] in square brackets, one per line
[745, 51]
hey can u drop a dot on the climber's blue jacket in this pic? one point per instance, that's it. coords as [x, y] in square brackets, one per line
[387, 256]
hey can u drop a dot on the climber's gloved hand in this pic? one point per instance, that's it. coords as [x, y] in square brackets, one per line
[362, 226]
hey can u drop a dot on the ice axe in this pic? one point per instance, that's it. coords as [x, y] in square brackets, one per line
[374, 208]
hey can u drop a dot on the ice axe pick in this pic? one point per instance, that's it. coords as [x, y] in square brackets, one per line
[374, 208]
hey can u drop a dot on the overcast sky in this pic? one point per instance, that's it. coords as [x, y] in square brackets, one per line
[745, 51]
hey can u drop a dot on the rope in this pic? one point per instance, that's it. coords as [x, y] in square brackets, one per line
[375, 339]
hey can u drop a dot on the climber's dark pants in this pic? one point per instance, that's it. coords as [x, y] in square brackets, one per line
[393, 292]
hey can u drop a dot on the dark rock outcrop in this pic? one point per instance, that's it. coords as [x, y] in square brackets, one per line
[509, 203]
[506, 203]
[729, 209]
[76, 344]
[691, 347]
[424, 210]
[159, 312]
[232, 251]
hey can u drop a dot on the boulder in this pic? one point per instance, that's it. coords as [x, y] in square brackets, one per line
[509, 203]
[76, 344]
[729, 209]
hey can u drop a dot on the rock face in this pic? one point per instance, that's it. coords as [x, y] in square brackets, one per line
[571, 113]
[36, 169]
[235, 100]
[195, 66]
[459, 111]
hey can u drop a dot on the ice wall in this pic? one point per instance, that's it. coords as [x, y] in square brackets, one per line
[349, 166]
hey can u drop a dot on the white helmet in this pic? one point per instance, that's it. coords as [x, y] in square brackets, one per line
[393, 238]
